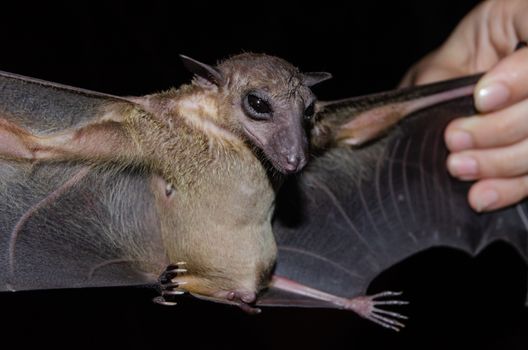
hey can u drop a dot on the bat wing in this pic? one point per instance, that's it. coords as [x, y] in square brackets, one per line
[45, 107]
[358, 120]
[354, 212]
[68, 224]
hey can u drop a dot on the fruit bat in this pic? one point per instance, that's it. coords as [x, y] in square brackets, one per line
[186, 190]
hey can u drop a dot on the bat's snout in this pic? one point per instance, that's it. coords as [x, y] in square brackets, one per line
[294, 162]
[290, 151]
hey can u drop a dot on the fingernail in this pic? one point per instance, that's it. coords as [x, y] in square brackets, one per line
[486, 199]
[459, 140]
[492, 97]
[463, 167]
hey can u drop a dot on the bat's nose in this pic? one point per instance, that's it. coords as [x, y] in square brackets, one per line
[294, 163]
[293, 160]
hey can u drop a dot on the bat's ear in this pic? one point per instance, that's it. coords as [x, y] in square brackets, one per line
[203, 71]
[312, 78]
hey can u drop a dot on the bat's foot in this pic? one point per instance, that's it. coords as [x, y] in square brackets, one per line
[364, 306]
[367, 307]
[169, 285]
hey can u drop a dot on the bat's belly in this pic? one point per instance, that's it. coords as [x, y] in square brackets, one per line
[221, 229]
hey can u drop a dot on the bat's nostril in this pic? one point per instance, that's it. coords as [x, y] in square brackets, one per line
[293, 160]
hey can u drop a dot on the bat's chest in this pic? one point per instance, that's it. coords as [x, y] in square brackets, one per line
[231, 198]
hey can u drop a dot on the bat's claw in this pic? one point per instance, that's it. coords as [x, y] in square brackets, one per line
[175, 270]
[161, 301]
[366, 307]
[169, 284]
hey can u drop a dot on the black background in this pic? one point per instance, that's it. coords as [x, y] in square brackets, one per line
[129, 49]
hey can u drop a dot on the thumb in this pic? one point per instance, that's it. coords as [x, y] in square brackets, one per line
[505, 84]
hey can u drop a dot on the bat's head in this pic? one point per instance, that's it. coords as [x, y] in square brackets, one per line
[268, 101]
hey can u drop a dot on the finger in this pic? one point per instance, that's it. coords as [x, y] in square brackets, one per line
[436, 66]
[504, 84]
[500, 128]
[489, 163]
[437, 73]
[491, 194]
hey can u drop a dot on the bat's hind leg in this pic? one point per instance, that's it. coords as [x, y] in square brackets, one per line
[368, 307]
[169, 284]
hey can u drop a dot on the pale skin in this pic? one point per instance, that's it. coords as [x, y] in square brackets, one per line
[491, 147]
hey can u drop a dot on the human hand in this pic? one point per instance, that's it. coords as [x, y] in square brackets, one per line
[490, 148]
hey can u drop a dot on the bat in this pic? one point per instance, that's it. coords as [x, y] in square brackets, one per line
[101, 190]
[185, 155]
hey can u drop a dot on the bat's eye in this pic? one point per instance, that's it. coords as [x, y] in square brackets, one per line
[168, 190]
[257, 107]
[309, 111]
